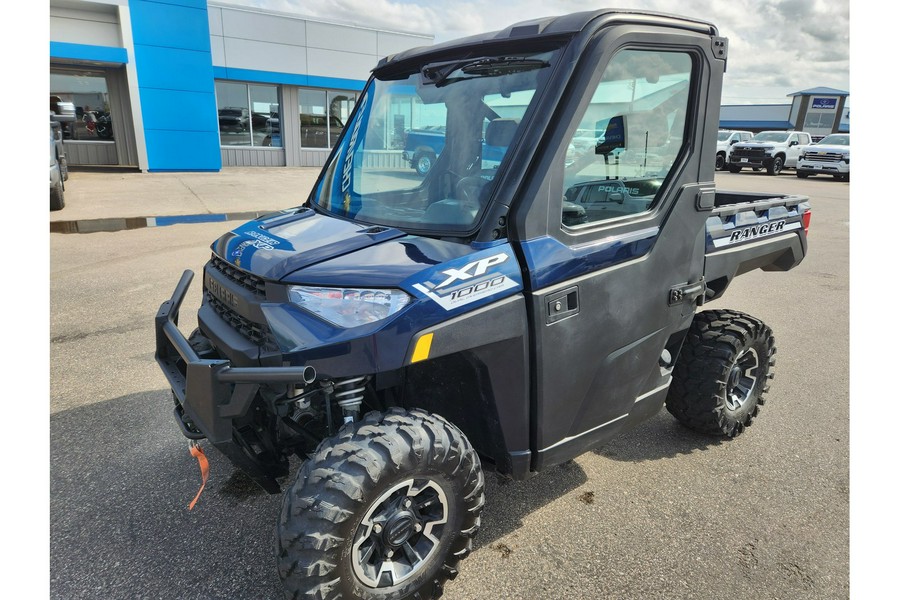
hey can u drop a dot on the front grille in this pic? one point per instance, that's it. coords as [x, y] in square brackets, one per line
[824, 157]
[246, 280]
[257, 333]
[754, 153]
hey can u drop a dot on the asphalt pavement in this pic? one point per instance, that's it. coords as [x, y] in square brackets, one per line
[660, 512]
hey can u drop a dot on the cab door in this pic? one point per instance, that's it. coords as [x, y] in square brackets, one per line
[613, 280]
[792, 154]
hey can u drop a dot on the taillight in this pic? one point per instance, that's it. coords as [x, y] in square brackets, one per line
[806, 218]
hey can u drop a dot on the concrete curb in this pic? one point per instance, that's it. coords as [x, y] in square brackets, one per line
[121, 224]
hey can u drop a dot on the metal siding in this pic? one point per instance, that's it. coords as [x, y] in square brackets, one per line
[261, 27]
[340, 38]
[123, 119]
[290, 125]
[391, 43]
[253, 157]
[215, 20]
[334, 63]
[91, 153]
[251, 54]
[84, 27]
[217, 49]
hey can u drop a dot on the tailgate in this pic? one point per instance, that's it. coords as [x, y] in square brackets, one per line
[752, 231]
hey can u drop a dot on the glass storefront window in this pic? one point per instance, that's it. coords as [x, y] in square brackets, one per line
[248, 114]
[89, 94]
[265, 119]
[313, 119]
[323, 115]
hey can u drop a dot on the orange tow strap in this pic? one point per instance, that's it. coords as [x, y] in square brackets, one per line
[197, 453]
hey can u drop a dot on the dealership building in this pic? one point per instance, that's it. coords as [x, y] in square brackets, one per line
[191, 85]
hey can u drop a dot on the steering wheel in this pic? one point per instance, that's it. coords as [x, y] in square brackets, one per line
[470, 188]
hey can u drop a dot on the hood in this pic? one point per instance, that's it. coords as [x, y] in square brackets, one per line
[755, 145]
[831, 149]
[276, 245]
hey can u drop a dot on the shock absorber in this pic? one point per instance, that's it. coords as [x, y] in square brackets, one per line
[349, 395]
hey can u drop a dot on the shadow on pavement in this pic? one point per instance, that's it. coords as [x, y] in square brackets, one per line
[655, 439]
[121, 479]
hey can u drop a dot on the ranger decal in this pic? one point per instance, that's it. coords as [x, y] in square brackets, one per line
[756, 231]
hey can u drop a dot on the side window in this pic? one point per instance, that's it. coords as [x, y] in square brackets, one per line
[792, 138]
[628, 137]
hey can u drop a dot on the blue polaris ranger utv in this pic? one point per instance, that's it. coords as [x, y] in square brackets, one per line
[399, 334]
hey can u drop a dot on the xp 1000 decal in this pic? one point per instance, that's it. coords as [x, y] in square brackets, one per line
[480, 277]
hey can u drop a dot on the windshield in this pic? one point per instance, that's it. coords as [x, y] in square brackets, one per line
[724, 135]
[422, 150]
[835, 140]
[770, 136]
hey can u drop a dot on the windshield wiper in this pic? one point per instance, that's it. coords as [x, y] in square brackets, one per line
[489, 66]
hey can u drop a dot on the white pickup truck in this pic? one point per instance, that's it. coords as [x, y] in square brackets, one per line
[773, 150]
[725, 140]
[829, 156]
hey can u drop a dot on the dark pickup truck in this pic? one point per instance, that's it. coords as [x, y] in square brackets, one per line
[398, 335]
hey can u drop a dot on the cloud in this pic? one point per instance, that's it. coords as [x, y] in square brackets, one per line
[787, 44]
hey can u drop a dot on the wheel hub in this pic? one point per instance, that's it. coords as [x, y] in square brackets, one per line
[399, 529]
[741, 381]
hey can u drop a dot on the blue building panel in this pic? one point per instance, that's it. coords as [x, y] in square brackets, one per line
[175, 81]
[169, 24]
[183, 150]
[179, 110]
[256, 76]
[107, 54]
[173, 68]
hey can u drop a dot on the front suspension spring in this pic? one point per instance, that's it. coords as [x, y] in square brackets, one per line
[349, 395]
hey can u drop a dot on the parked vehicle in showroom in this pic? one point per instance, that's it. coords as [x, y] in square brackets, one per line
[234, 119]
[398, 335]
[725, 139]
[829, 156]
[771, 150]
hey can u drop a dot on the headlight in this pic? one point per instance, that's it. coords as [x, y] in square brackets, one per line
[847, 158]
[348, 307]
[802, 156]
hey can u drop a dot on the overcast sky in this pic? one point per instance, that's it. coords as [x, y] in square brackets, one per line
[776, 46]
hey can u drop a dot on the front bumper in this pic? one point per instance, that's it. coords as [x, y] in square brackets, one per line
[210, 393]
[752, 161]
[809, 167]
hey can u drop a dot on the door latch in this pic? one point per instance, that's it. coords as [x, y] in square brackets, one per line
[687, 292]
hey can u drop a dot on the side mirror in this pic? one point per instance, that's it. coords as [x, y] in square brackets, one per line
[794, 143]
[733, 142]
[615, 136]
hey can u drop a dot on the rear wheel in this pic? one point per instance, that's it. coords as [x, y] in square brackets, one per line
[385, 509]
[723, 372]
[423, 163]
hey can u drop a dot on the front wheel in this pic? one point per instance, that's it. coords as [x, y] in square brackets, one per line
[58, 196]
[720, 161]
[775, 166]
[734, 168]
[723, 372]
[385, 509]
